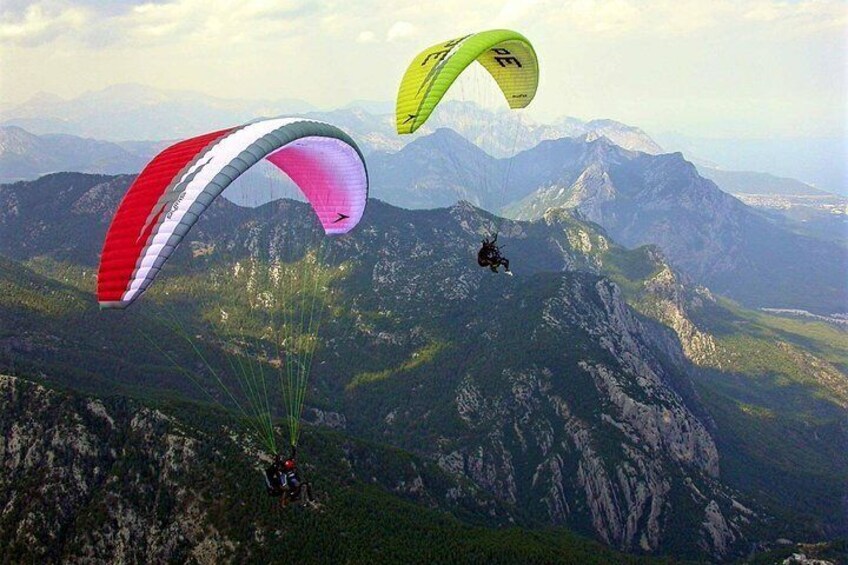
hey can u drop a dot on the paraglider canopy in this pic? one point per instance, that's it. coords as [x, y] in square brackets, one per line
[177, 186]
[507, 55]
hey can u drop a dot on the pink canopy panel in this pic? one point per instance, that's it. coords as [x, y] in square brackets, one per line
[330, 174]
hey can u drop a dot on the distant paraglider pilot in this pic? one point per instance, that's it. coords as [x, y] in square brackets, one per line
[490, 256]
[284, 480]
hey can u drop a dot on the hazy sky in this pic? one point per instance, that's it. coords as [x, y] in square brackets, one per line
[753, 68]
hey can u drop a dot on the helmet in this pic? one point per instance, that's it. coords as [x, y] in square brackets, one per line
[289, 464]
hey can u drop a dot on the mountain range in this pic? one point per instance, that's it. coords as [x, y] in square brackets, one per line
[132, 112]
[136, 112]
[599, 389]
[614, 174]
[639, 199]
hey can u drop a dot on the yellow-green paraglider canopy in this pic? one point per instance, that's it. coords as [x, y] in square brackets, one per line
[507, 55]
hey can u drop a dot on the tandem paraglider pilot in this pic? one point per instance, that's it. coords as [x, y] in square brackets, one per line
[490, 256]
[283, 479]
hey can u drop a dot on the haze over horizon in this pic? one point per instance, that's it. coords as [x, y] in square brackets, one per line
[725, 69]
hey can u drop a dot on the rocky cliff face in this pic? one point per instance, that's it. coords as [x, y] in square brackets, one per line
[593, 435]
[670, 306]
[88, 480]
[66, 468]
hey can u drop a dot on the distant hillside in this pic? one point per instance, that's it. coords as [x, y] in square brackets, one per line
[437, 170]
[25, 156]
[818, 161]
[748, 182]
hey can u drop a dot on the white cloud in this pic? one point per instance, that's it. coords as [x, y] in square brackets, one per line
[674, 18]
[156, 22]
[401, 30]
[802, 18]
[212, 22]
[366, 36]
[513, 11]
[41, 22]
[608, 16]
[153, 23]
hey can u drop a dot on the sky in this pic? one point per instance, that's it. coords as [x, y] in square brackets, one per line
[710, 68]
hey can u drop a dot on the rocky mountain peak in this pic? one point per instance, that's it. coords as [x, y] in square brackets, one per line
[661, 199]
[628, 137]
[16, 141]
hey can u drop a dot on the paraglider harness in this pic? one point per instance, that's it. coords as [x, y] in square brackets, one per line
[283, 479]
[490, 255]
